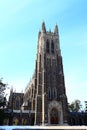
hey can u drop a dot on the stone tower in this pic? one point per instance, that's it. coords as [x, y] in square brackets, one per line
[50, 98]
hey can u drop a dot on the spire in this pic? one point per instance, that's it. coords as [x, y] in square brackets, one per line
[39, 34]
[43, 27]
[11, 90]
[56, 29]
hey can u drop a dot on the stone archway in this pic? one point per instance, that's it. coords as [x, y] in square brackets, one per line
[55, 113]
[54, 116]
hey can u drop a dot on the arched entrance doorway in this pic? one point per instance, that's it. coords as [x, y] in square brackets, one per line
[55, 113]
[54, 116]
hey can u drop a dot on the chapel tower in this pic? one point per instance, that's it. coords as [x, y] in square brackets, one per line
[50, 98]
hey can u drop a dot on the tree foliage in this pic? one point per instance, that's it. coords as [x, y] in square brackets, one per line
[2, 94]
[75, 106]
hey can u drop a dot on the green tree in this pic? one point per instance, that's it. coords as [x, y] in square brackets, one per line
[85, 106]
[2, 94]
[2, 100]
[75, 106]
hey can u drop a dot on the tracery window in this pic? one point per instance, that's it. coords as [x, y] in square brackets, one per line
[47, 46]
[49, 93]
[54, 93]
[17, 103]
[52, 46]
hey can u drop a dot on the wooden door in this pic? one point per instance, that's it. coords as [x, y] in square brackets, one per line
[54, 116]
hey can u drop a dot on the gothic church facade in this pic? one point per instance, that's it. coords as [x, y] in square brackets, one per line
[45, 95]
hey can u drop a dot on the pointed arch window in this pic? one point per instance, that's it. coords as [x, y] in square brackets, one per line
[17, 103]
[52, 47]
[47, 46]
[49, 93]
[54, 93]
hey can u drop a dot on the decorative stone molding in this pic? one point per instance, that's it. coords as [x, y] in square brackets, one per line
[58, 106]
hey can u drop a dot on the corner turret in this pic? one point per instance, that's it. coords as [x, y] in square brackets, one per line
[56, 29]
[43, 28]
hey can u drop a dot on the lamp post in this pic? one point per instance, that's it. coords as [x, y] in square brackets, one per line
[29, 117]
[11, 112]
[20, 117]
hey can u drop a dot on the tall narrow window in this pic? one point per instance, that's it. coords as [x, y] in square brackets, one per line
[52, 46]
[54, 93]
[40, 62]
[40, 58]
[17, 103]
[47, 46]
[49, 93]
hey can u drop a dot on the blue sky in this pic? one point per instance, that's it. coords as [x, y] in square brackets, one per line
[20, 21]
